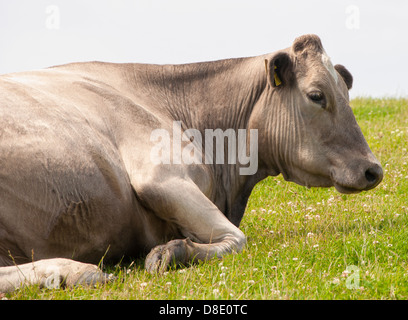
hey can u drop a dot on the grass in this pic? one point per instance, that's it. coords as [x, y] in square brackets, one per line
[302, 243]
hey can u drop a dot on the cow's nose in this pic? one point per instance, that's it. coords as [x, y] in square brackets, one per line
[374, 175]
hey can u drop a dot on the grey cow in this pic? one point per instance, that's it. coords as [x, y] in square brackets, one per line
[77, 180]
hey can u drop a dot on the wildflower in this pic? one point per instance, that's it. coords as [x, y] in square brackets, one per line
[336, 281]
[294, 259]
[310, 234]
[251, 281]
[143, 285]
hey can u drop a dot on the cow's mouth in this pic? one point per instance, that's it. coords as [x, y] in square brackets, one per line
[345, 190]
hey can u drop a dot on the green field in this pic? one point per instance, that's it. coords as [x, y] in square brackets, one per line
[302, 243]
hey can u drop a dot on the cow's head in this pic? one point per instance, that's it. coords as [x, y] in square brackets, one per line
[307, 129]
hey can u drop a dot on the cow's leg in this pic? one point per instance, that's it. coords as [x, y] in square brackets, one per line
[209, 233]
[51, 273]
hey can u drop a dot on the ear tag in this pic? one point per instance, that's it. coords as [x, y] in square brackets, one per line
[278, 81]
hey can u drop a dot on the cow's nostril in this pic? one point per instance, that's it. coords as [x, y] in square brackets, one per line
[374, 176]
[371, 175]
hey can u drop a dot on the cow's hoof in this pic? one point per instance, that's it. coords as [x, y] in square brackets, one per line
[157, 260]
[92, 278]
[161, 257]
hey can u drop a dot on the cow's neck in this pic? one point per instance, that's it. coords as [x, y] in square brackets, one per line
[215, 95]
[209, 95]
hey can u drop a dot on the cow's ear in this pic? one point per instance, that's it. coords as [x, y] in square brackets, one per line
[279, 70]
[345, 74]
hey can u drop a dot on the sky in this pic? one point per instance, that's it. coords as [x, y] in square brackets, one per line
[369, 37]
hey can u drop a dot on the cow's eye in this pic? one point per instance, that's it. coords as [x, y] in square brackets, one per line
[317, 97]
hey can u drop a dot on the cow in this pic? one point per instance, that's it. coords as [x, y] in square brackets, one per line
[80, 181]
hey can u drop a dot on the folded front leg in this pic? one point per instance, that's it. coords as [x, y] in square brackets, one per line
[208, 232]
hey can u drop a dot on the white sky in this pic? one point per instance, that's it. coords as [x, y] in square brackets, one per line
[369, 37]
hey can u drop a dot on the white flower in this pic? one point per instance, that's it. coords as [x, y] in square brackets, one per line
[275, 291]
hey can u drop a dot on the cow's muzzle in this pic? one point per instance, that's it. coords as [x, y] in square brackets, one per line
[366, 178]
